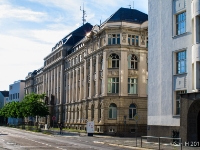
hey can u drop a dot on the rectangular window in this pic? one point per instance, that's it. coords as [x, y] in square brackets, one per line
[178, 97]
[132, 86]
[181, 62]
[113, 39]
[180, 23]
[133, 40]
[113, 85]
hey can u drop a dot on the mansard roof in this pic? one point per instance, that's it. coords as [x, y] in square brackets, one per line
[75, 36]
[128, 15]
[5, 93]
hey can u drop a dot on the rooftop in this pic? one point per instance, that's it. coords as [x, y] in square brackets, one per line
[5, 93]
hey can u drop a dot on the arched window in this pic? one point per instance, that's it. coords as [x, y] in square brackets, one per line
[113, 61]
[132, 62]
[92, 112]
[113, 111]
[132, 111]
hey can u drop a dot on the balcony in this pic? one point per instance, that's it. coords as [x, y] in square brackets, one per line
[196, 52]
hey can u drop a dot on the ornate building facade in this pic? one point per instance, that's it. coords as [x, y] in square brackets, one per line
[102, 77]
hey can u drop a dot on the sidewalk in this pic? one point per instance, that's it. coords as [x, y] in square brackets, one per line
[128, 142]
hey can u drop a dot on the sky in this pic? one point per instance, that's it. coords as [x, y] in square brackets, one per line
[30, 28]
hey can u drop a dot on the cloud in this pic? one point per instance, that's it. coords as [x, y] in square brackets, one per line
[21, 13]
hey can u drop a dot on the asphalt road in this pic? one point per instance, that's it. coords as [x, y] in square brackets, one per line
[16, 139]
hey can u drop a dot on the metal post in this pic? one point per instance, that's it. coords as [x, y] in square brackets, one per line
[136, 133]
[159, 142]
[141, 141]
[181, 144]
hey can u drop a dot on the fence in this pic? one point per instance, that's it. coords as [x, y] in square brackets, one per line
[175, 142]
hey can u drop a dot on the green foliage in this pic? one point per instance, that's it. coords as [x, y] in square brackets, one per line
[31, 105]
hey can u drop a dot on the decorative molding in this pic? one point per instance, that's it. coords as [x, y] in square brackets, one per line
[124, 37]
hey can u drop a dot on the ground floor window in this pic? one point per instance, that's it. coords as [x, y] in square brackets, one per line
[178, 97]
[113, 111]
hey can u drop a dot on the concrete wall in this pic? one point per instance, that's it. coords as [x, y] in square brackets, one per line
[163, 44]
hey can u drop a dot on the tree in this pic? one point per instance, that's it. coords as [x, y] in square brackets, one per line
[31, 105]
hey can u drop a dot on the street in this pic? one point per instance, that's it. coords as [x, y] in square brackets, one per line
[17, 139]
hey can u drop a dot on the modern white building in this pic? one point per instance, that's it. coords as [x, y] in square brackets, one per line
[16, 93]
[174, 55]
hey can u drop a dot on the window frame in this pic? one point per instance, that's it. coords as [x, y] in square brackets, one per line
[113, 61]
[113, 39]
[113, 110]
[135, 84]
[133, 111]
[179, 23]
[132, 59]
[177, 101]
[181, 62]
[113, 85]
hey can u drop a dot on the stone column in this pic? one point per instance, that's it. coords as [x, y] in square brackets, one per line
[105, 72]
[57, 95]
[97, 75]
[91, 78]
[81, 78]
[67, 90]
[76, 92]
[85, 79]
[123, 75]
[48, 83]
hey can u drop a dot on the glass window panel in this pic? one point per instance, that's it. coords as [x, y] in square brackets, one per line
[118, 40]
[130, 113]
[117, 63]
[115, 113]
[117, 79]
[117, 88]
[113, 88]
[110, 112]
[113, 41]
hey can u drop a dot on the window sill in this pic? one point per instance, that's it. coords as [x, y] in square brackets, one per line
[180, 74]
[180, 35]
[112, 118]
[176, 116]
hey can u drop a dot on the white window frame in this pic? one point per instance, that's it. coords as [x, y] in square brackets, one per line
[113, 61]
[134, 84]
[113, 85]
[113, 39]
[113, 110]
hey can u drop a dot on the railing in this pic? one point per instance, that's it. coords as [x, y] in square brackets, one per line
[167, 138]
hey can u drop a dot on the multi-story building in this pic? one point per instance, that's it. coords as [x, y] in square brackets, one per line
[106, 75]
[174, 69]
[99, 73]
[16, 93]
[4, 98]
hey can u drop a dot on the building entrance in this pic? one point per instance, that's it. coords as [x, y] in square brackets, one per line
[198, 127]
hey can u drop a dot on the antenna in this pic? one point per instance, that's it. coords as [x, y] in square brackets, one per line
[84, 14]
[133, 4]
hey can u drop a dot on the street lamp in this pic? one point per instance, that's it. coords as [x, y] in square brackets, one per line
[124, 124]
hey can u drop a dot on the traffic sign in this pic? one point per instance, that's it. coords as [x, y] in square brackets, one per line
[136, 117]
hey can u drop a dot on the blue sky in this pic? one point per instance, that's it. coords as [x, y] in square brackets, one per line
[30, 28]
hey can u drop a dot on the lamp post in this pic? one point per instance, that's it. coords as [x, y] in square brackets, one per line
[124, 124]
